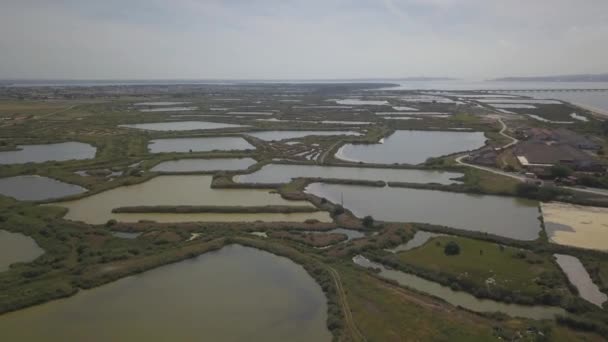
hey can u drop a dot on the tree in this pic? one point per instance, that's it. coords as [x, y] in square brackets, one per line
[560, 171]
[451, 248]
[368, 221]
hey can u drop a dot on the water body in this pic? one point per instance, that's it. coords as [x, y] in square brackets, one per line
[520, 101]
[16, 247]
[48, 152]
[37, 188]
[250, 113]
[281, 173]
[412, 147]
[159, 103]
[168, 109]
[282, 135]
[199, 144]
[588, 99]
[180, 190]
[579, 277]
[505, 216]
[234, 294]
[350, 233]
[192, 165]
[181, 126]
[459, 298]
[491, 85]
[356, 102]
[125, 235]
[420, 238]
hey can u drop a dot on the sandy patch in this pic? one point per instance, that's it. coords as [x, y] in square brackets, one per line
[575, 225]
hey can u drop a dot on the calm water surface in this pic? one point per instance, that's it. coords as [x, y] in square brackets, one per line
[282, 135]
[460, 298]
[181, 126]
[180, 190]
[199, 144]
[191, 165]
[420, 238]
[48, 152]
[505, 216]
[281, 173]
[412, 147]
[16, 247]
[37, 188]
[168, 109]
[234, 294]
[578, 275]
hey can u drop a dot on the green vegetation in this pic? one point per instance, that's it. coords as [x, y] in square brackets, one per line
[486, 269]
[361, 306]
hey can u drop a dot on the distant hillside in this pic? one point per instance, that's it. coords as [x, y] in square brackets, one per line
[559, 78]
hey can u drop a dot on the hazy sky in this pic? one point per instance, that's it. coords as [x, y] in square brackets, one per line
[257, 39]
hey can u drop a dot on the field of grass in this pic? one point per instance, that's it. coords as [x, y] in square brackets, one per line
[502, 271]
[386, 312]
[489, 182]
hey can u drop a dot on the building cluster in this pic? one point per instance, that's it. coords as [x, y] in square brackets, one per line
[542, 148]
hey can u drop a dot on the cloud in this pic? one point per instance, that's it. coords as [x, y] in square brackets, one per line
[300, 39]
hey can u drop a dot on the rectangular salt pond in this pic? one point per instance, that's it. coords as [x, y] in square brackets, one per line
[250, 113]
[282, 173]
[512, 106]
[168, 109]
[184, 191]
[159, 103]
[37, 188]
[181, 126]
[504, 216]
[282, 135]
[192, 165]
[412, 147]
[357, 102]
[48, 152]
[521, 101]
[204, 144]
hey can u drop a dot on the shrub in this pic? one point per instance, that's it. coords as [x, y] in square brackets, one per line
[368, 221]
[451, 248]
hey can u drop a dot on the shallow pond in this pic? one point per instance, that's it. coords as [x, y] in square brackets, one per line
[181, 126]
[412, 147]
[199, 144]
[48, 152]
[357, 102]
[282, 135]
[37, 188]
[579, 277]
[419, 239]
[168, 109]
[159, 103]
[180, 190]
[126, 235]
[460, 298]
[234, 294]
[281, 173]
[350, 233]
[16, 247]
[504, 216]
[192, 165]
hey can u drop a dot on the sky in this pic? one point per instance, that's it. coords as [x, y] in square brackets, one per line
[300, 39]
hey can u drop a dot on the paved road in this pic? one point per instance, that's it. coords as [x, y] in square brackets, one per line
[489, 169]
